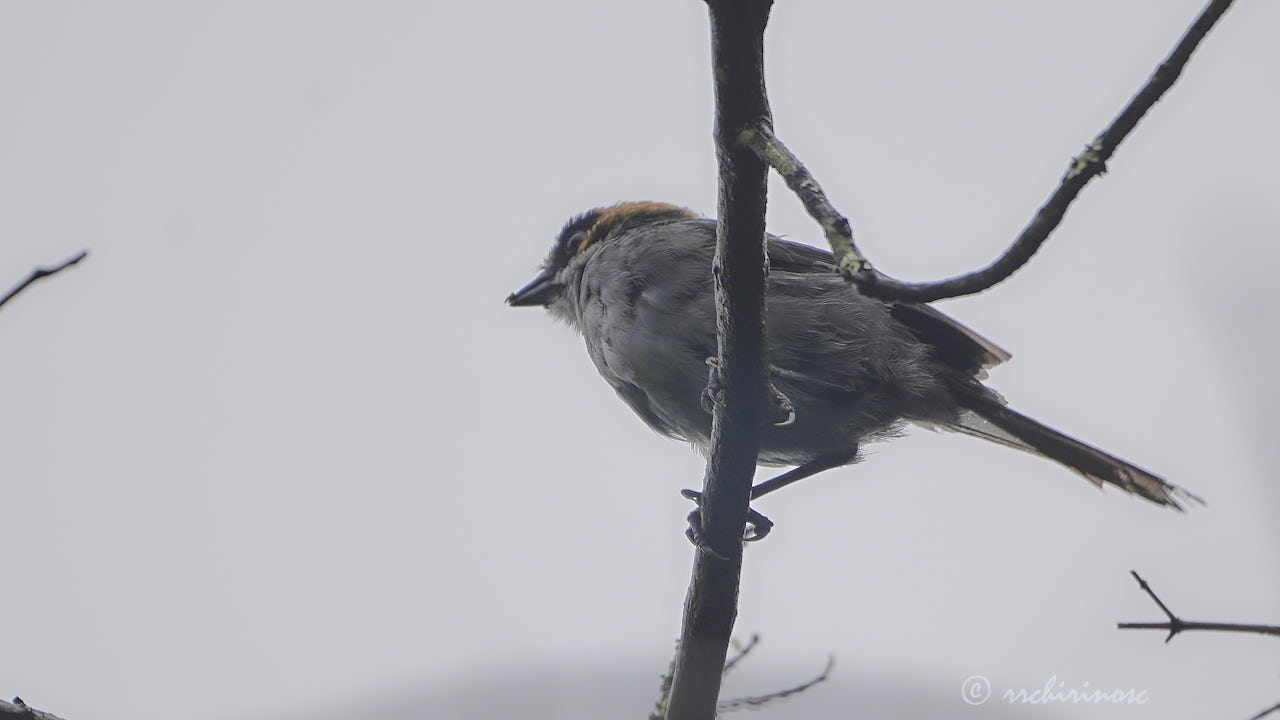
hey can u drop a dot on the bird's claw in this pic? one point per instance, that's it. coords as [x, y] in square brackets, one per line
[782, 408]
[758, 526]
[713, 395]
[784, 412]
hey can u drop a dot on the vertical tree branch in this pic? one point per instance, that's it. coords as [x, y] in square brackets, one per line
[737, 39]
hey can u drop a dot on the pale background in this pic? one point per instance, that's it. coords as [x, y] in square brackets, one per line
[277, 449]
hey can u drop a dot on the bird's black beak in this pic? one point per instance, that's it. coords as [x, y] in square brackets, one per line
[542, 291]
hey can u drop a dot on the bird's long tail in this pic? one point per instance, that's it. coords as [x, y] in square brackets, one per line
[987, 417]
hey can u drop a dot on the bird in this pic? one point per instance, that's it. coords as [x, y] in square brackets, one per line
[635, 280]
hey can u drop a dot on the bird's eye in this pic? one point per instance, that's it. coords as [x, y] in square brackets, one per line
[573, 244]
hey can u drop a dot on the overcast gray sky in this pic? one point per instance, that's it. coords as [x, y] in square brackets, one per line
[277, 445]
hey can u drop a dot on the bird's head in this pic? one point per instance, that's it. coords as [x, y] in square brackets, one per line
[579, 238]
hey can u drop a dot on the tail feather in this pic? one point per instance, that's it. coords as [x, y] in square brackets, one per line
[989, 419]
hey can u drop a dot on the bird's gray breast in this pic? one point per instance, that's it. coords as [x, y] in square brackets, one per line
[648, 319]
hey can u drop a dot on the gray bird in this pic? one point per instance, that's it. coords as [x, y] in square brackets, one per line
[635, 280]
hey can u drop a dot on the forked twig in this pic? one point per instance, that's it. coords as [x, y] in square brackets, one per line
[1092, 162]
[762, 700]
[1176, 624]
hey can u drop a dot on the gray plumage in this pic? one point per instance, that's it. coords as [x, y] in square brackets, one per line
[635, 280]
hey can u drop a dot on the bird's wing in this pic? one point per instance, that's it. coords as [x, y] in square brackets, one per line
[955, 345]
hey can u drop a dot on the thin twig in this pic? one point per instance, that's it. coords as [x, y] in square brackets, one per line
[743, 651]
[1266, 712]
[1176, 624]
[42, 273]
[762, 700]
[664, 695]
[1083, 168]
[836, 228]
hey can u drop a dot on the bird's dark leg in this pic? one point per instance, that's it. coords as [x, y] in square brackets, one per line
[759, 525]
[809, 469]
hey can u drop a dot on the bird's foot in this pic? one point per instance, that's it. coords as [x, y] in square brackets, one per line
[784, 413]
[758, 526]
[713, 395]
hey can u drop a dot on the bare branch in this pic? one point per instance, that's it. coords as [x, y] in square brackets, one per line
[744, 398]
[1268, 711]
[42, 273]
[743, 651]
[1083, 168]
[1176, 624]
[762, 700]
[849, 261]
